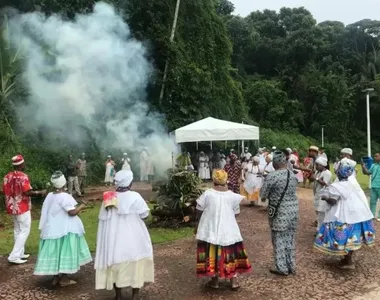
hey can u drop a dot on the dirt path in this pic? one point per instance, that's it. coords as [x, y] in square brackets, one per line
[317, 278]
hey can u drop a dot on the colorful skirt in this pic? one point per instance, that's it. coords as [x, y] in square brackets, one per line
[62, 256]
[339, 238]
[224, 262]
[255, 196]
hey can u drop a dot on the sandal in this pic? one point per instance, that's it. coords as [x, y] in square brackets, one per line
[235, 288]
[346, 267]
[68, 283]
[211, 285]
[277, 272]
[234, 284]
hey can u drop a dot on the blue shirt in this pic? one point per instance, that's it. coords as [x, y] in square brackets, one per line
[375, 172]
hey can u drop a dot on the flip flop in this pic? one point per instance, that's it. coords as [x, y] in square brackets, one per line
[346, 267]
[55, 281]
[70, 282]
[211, 286]
[277, 272]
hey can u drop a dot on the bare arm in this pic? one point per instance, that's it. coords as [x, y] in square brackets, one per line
[330, 201]
[365, 170]
[77, 210]
[32, 193]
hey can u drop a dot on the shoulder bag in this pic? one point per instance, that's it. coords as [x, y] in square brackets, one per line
[273, 209]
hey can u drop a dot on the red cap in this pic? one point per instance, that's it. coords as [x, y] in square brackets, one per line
[17, 160]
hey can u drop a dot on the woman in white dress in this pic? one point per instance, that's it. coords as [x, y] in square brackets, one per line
[204, 168]
[124, 252]
[253, 180]
[220, 249]
[63, 248]
[268, 168]
[125, 162]
[110, 171]
[348, 222]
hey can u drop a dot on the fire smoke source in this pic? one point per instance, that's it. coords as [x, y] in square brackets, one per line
[89, 73]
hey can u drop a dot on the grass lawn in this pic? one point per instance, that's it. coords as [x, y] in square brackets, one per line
[90, 221]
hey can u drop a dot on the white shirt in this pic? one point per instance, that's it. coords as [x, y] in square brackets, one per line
[349, 208]
[218, 224]
[55, 222]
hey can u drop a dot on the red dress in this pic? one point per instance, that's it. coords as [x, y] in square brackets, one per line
[234, 173]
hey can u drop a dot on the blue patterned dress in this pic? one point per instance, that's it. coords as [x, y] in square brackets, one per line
[340, 233]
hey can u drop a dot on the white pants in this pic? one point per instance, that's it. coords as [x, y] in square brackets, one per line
[73, 181]
[320, 218]
[22, 225]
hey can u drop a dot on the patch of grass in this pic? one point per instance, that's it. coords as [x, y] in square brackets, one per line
[90, 221]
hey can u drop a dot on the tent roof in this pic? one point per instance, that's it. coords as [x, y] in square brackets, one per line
[211, 129]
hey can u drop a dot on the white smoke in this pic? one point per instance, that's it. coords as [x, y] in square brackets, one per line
[89, 73]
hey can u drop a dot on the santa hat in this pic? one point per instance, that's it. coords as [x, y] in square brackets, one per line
[17, 160]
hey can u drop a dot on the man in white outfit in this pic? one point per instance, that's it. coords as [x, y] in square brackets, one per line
[17, 191]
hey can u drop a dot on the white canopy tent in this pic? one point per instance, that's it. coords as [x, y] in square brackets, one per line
[211, 129]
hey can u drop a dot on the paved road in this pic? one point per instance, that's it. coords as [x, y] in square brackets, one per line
[317, 277]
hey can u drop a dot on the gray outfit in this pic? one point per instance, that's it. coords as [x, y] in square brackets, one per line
[284, 224]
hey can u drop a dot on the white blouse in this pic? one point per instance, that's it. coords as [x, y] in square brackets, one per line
[350, 208]
[122, 234]
[218, 224]
[55, 222]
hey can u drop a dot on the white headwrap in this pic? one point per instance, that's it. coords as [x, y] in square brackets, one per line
[321, 161]
[346, 151]
[123, 178]
[348, 162]
[289, 150]
[256, 159]
[125, 154]
[58, 180]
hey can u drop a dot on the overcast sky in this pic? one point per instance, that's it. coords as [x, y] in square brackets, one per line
[348, 11]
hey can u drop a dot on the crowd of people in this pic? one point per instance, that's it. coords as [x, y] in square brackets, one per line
[76, 171]
[124, 253]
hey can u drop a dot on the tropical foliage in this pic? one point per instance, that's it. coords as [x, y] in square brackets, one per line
[176, 197]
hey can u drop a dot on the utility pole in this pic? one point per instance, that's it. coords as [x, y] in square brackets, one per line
[167, 60]
[367, 91]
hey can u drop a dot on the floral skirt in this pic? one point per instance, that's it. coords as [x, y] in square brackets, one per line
[62, 256]
[224, 262]
[340, 238]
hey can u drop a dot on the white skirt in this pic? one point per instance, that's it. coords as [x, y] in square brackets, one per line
[127, 274]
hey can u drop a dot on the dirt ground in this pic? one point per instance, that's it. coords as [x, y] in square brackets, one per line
[317, 277]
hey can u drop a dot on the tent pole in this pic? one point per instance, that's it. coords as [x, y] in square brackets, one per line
[196, 143]
[211, 145]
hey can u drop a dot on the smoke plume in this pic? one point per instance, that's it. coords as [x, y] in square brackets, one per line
[89, 75]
